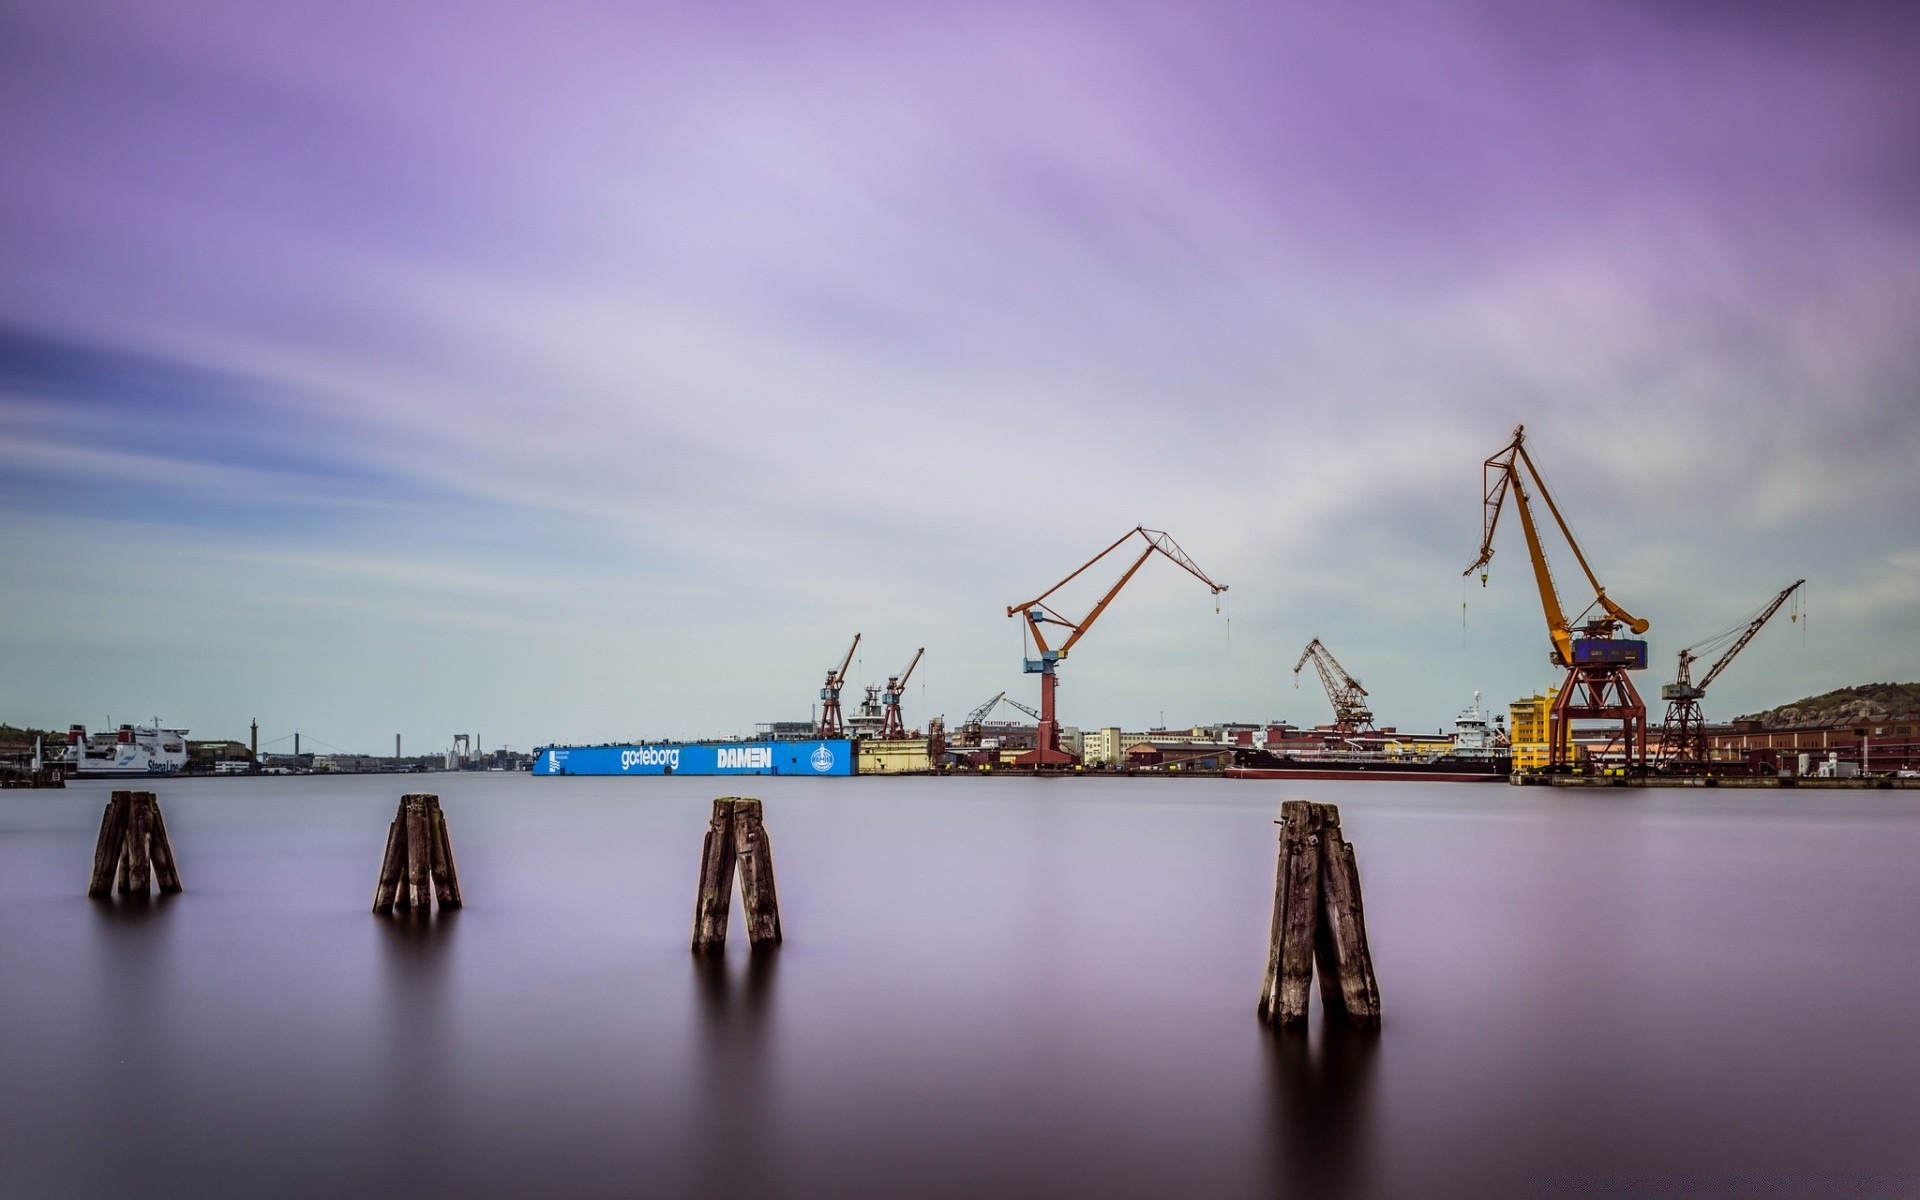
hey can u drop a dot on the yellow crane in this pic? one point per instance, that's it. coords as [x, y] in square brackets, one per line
[1597, 686]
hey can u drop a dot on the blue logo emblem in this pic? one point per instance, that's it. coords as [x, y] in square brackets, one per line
[822, 759]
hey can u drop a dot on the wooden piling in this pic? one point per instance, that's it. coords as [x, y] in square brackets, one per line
[712, 904]
[753, 849]
[736, 843]
[392, 864]
[417, 867]
[1350, 988]
[419, 853]
[1318, 921]
[446, 876]
[108, 849]
[133, 848]
[165, 871]
[1302, 885]
[139, 863]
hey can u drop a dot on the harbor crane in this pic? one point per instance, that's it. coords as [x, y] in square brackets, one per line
[891, 726]
[976, 720]
[1047, 753]
[970, 728]
[831, 726]
[1597, 686]
[1683, 738]
[1350, 711]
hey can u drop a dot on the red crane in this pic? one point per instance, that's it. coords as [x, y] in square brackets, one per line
[1047, 752]
[1683, 739]
[891, 726]
[1350, 711]
[830, 723]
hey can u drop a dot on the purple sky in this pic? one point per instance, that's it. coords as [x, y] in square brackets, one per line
[571, 372]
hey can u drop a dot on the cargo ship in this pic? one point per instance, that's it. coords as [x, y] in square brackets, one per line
[130, 752]
[1476, 756]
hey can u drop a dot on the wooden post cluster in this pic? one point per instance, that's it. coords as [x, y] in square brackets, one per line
[133, 851]
[736, 836]
[418, 867]
[1318, 918]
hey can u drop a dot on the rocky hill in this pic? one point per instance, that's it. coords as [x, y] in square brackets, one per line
[1864, 704]
[14, 741]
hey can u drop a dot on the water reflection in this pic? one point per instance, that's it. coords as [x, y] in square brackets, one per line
[417, 950]
[1320, 1087]
[131, 935]
[736, 1110]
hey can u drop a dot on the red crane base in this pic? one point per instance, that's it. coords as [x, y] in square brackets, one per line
[1594, 693]
[1047, 754]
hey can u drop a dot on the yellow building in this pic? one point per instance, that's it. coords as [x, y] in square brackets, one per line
[1527, 723]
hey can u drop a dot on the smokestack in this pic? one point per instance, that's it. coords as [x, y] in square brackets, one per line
[296, 743]
[396, 745]
[253, 740]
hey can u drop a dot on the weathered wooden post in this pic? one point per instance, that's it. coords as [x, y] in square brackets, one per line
[1317, 918]
[417, 868]
[712, 904]
[133, 850]
[736, 838]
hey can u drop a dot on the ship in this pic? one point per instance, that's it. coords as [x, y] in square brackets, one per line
[1476, 756]
[129, 752]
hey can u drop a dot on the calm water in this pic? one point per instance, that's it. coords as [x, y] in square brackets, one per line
[988, 988]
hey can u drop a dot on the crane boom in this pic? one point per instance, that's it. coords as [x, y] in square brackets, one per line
[1746, 636]
[1039, 613]
[1501, 474]
[1157, 541]
[1005, 699]
[1350, 712]
[840, 676]
[979, 715]
[1684, 688]
[908, 673]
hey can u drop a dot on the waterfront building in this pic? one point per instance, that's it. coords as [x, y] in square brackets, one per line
[1527, 728]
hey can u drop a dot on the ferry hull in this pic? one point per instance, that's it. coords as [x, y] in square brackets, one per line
[154, 772]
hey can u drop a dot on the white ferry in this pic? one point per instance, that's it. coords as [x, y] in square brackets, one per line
[130, 752]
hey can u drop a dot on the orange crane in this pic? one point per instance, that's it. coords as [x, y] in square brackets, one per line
[1350, 711]
[891, 726]
[830, 724]
[1683, 739]
[1047, 753]
[1597, 686]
